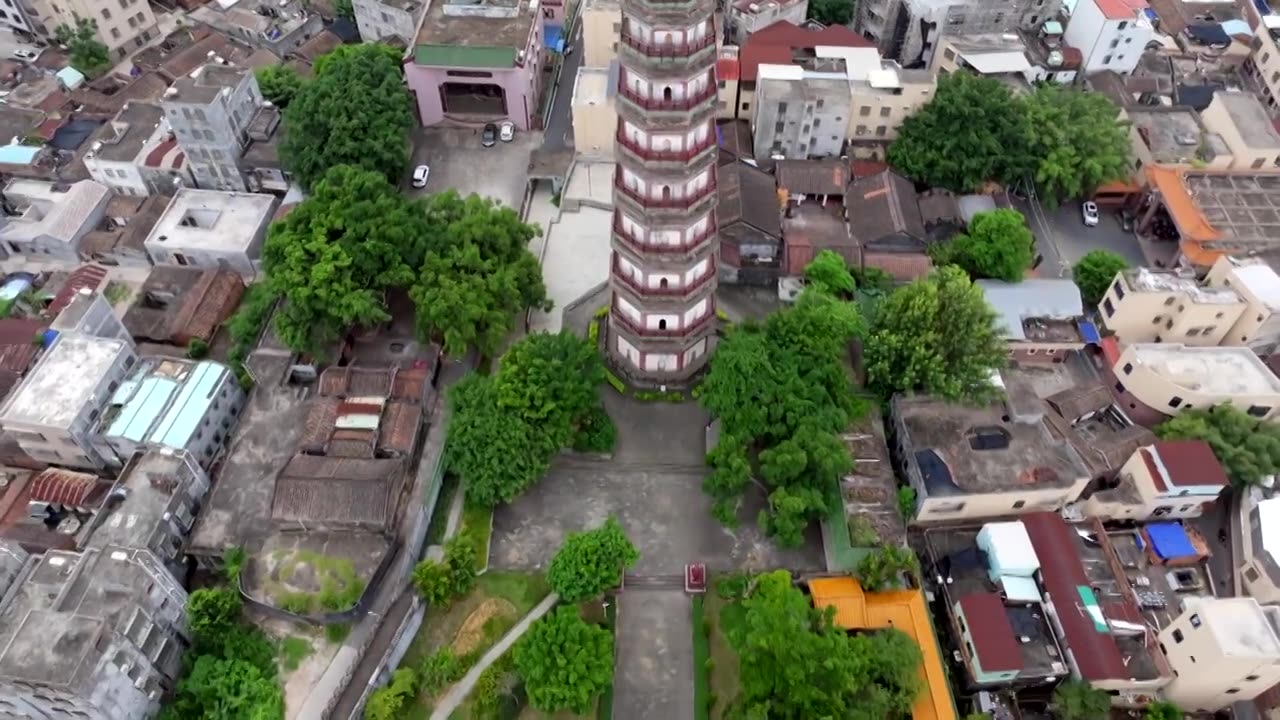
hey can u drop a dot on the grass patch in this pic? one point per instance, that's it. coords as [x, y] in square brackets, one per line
[723, 677]
[339, 589]
[293, 650]
[337, 632]
[477, 525]
[440, 517]
[702, 663]
[117, 292]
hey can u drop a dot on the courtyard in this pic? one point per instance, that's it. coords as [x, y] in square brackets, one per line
[458, 160]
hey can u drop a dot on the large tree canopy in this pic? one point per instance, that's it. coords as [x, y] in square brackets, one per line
[1077, 141]
[564, 662]
[354, 111]
[592, 561]
[278, 83]
[938, 336]
[1247, 447]
[998, 245]
[796, 665]
[1094, 273]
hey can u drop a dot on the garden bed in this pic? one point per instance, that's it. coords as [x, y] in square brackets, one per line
[722, 681]
[477, 529]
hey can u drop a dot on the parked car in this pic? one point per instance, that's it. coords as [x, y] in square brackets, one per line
[420, 175]
[25, 54]
[1090, 210]
[507, 131]
[489, 137]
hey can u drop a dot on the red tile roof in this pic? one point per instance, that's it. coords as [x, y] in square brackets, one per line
[727, 68]
[774, 45]
[85, 276]
[992, 633]
[17, 343]
[1189, 462]
[1121, 9]
[1063, 573]
[65, 487]
[164, 155]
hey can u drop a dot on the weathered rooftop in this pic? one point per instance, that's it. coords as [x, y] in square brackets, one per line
[1164, 281]
[1214, 370]
[214, 220]
[176, 304]
[1250, 118]
[483, 35]
[151, 482]
[124, 137]
[64, 381]
[205, 83]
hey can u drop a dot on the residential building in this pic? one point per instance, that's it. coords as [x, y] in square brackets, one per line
[1144, 306]
[1019, 60]
[749, 213]
[50, 509]
[1211, 213]
[53, 413]
[1084, 414]
[210, 111]
[1244, 124]
[1042, 319]
[663, 274]
[173, 403]
[123, 28]
[595, 119]
[89, 313]
[784, 44]
[903, 610]
[1223, 651]
[478, 63]
[279, 26]
[802, 109]
[1173, 135]
[1171, 479]
[49, 219]
[1165, 379]
[1259, 563]
[908, 31]
[601, 30]
[209, 229]
[387, 20]
[886, 225]
[137, 154]
[880, 102]
[176, 305]
[1258, 285]
[18, 16]
[118, 238]
[160, 492]
[744, 17]
[728, 69]
[98, 634]
[1111, 34]
[969, 463]
[1263, 64]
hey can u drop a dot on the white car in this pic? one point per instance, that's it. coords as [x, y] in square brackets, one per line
[25, 54]
[507, 131]
[1090, 210]
[420, 175]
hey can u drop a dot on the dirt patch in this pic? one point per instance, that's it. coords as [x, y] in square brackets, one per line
[472, 633]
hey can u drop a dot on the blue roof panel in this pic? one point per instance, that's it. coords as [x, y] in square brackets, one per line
[142, 408]
[1170, 540]
[187, 411]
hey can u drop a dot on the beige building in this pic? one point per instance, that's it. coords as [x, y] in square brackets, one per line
[1169, 378]
[1263, 64]
[1169, 480]
[601, 29]
[1242, 121]
[1258, 327]
[123, 26]
[595, 123]
[1173, 135]
[884, 100]
[1259, 569]
[1222, 650]
[1144, 306]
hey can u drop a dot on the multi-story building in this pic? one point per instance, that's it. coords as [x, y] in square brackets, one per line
[387, 20]
[1259, 563]
[478, 63]
[1171, 479]
[1263, 64]
[123, 27]
[210, 111]
[41, 218]
[908, 31]
[663, 274]
[19, 16]
[1222, 651]
[1041, 319]
[880, 102]
[802, 109]
[1144, 306]
[210, 229]
[601, 28]
[783, 43]
[595, 119]
[1240, 119]
[276, 25]
[136, 153]
[1258, 285]
[97, 635]
[1111, 34]
[728, 68]
[89, 313]
[744, 17]
[1163, 379]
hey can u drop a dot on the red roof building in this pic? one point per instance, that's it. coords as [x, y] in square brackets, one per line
[778, 44]
[994, 646]
[1185, 463]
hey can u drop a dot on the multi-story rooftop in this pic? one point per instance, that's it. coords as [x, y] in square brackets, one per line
[1144, 305]
[1165, 379]
[276, 26]
[46, 218]
[1216, 212]
[210, 229]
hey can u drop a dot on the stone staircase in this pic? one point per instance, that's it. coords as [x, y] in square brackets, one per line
[653, 582]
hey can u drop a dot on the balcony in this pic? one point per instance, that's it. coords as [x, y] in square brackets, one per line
[659, 158]
[704, 100]
[675, 203]
[699, 325]
[668, 50]
[642, 247]
[666, 292]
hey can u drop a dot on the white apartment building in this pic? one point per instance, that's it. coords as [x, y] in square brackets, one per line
[49, 219]
[1263, 64]
[1222, 651]
[1253, 280]
[1111, 34]
[137, 154]
[210, 229]
[744, 17]
[210, 112]
[123, 25]
[385, 20]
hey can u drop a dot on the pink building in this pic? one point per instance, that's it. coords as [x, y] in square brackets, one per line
[478, 63]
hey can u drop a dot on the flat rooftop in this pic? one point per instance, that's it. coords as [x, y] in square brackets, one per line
[213, 220]
[1214, 370]
[1175, 134]
[142, 513]
[498, 27]
[63, 381]
[1227, 209]
[1251, 119]
[1164, 281]
[1243, 627]
[1162, 592]
[964, 449]
[870, 489]
[595, 86]
[1258, 277]
[203, 84]
[55, 210]
[124, 137]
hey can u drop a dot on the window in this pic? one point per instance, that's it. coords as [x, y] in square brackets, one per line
[1258, 410]
[1128, 368]
[1257, 163]
[1157, 319]
[1168, 325]
[1177, 636]
[1115, 42]
[864, 111]
[106, 14]
[1119, 387]
[1119, 288]
[881, 130]
[1195, 620]
[1106, 60]
[1193, 332]
[884, 112]
[1019, 504]
[779, 126]
[1108, 307]
[746, 106]
[1123, 24]
[1251, 575]
[1233, 691]
[1210, 330]
[1168, 301]
[782, 108]
[1175, 401]
[1251, 678]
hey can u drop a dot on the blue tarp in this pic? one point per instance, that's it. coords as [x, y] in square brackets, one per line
[1089, 332]
[1209, 34]
[554, 37]
[1169, 540]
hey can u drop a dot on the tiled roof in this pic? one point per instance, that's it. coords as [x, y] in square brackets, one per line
[351, 381]
[812, 177]
[214, 298]
[65, 487]
[1121, 9]
[85, 276]
[883, 205]
[399, 428]
[410, 384]
[17, 343]
[773, 45]
[1185, 463]
[343, 491]
[992, 633]
[904, 266]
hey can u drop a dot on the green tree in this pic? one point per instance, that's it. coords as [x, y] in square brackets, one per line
[1163, 710]
[337, 253]
[883, 567]
[355, 110]
[440, 583]
[278, 83]
[564, 662]
[345, 9]
[730, 474]
[88, 54]
[1078, 700]
[212, 612]
[1077, 141]
[226, 689]
[1095, 273]
[550, 380]
[479, 275]
[831, 12]
[1247, 447]
[391, 700]
[972, 131]
[590, 562]
[998, 245]
[829, 273]
[498, 456]
[937, 336]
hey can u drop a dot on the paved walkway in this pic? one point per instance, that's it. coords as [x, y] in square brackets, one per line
[653, 675]
[459, 692]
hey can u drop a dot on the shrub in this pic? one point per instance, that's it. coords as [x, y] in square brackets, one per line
[604, 310]
[590, 562]
[197, 349]
[212, 612]
[596, 432]
[440, 583]
[593, 331]
[233, 562]
[862, 533]
[906, 503]
[337, 632]
[616, 382]
[440, 670]
[390, 701]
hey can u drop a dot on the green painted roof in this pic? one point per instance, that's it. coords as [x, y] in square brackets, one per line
[465, 56]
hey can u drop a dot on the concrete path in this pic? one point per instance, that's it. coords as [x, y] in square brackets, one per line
[653, 677]
[459, 692]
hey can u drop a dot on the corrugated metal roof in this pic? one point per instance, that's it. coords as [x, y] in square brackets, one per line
[1056, 298]
[188, 410]
[143, 402]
